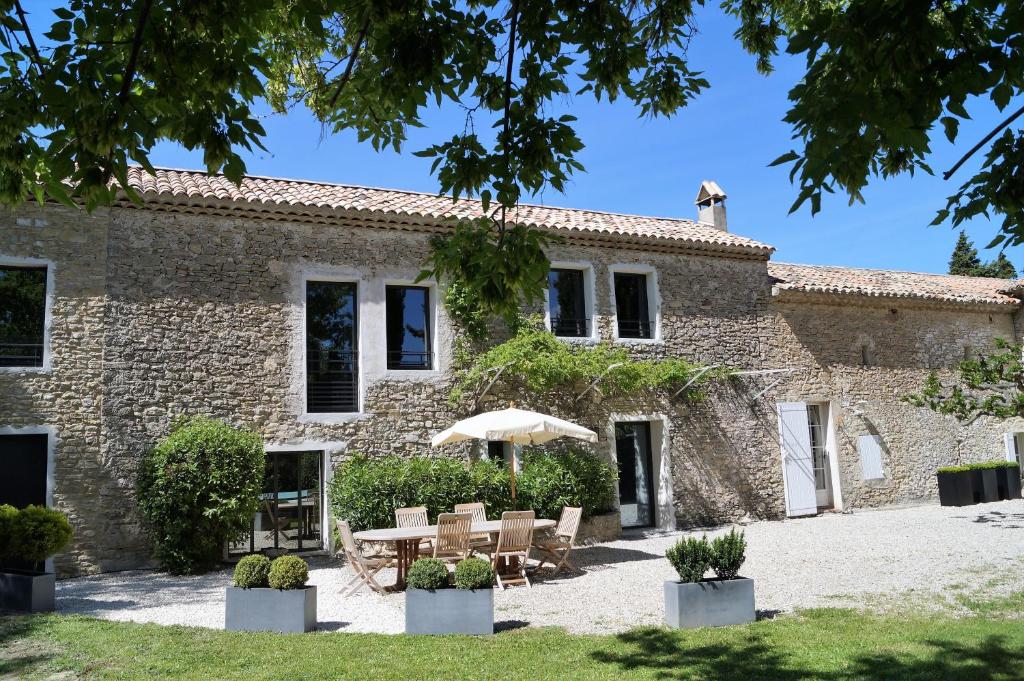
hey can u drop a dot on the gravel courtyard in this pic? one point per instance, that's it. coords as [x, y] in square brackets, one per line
[843, 560]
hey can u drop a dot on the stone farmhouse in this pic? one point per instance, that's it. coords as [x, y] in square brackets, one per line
[291, 307]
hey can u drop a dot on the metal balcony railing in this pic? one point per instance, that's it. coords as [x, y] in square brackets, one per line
[635, 328]
[568, 326]
[21, 355]
[332, 381]
[401, 359]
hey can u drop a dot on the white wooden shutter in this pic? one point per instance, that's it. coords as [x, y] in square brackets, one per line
[870, 448]
[1010, 446]
[797, 463]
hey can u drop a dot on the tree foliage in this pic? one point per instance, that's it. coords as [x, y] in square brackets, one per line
[965, 261]
[990, 385]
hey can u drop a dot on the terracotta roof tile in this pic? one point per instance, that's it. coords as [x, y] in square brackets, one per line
[892, 284]
[301, 197]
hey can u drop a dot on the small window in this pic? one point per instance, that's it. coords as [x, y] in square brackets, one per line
[408, 327]
[22, 316]
[332, 362]
[567, 303]
[632, 310]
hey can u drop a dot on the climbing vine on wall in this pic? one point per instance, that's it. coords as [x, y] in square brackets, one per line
[536, 361]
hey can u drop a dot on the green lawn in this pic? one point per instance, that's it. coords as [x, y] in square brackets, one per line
[817, 644]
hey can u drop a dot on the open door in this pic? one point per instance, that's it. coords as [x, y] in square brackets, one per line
[797, 459]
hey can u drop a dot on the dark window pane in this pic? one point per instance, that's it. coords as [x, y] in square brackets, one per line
[496, 450]
[290, 509]
[24, 476]
[567, 303]
[408, 327]
[332, 368]
[22, 316]
[631, 311]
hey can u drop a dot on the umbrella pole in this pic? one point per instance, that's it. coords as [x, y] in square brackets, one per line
[512, 471]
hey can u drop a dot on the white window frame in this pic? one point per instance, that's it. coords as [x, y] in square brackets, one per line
[342, 276]
[12, 261]
[653, 301]
[589, 304]
[435, 325]
[661, 461]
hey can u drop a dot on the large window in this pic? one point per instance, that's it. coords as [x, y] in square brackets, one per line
[408, 327]
[332, 361]
[632, 307]
[567, 303]
[22, 316]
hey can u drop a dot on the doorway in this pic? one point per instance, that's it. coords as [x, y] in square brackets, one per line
[290, 514]
[25, 459]
[817, 426]
[636, 473]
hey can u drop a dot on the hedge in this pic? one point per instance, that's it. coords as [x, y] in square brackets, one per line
[366, 492]
[983, 466]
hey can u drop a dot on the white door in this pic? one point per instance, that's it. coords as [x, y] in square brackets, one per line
[797, 459]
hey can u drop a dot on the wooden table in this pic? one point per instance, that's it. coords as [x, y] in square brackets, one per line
[407, 540]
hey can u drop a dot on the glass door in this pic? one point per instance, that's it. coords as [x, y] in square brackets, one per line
[291, 504]
[636, 479]
[816, 424]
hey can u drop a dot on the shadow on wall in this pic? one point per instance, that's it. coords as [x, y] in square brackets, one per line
[727, 472]
[757, 656]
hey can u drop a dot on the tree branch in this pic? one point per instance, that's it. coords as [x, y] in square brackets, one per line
[36, 58]
[505, 142]
[133, 57]
[351, 63]
[1014, 116]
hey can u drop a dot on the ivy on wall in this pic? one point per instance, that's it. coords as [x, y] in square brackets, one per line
[536, 361]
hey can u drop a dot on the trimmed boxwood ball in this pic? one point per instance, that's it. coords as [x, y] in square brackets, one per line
[728, 553]
[473, 573]
[427, 573]
[252, 572]
[691, 558]
[38, 533]
[288, 572]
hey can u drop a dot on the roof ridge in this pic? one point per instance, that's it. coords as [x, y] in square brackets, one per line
[349, 185]
[881, 269]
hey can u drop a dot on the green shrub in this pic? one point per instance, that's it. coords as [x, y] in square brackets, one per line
[569, 477]
[288, 572]
[982, 466]
[366, 492]
[428, 573]
[728, 553]
[7, 515]
[252, 572]
[691, 558]
[199, 488]
[38, 533]
[473, 573]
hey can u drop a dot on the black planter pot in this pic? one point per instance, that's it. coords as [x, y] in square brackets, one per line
[989, 485]
[1009, 482]
[956, 489]
[23, 591]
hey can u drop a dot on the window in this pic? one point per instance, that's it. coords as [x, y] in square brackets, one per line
[25, 470]
[22, 316]
[632, 308]
[567, 303]
[332, 366]
[408, 327]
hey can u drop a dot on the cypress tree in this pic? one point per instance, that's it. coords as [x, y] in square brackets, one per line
[965, 258]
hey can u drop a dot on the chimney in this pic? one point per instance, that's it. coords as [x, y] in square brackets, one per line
[711, 205]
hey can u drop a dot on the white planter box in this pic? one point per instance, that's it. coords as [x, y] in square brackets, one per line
[449, 611]
[291, 611]
[713, 603]
[27, 591]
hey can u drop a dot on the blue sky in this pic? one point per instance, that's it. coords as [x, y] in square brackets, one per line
[654, 167]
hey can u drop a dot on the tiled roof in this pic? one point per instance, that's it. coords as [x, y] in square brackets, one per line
[194, 189]
[890, 284]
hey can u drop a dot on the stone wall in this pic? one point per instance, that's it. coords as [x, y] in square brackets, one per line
[158, 314]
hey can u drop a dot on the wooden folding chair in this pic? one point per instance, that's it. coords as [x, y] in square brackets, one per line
[452, 542]
[365, 568]
[481, 541]
[415, 516]
[513, 546]
[278, 523]
[556, 549]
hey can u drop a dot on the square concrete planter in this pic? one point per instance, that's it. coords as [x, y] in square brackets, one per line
[711, 603]
[956, 489]
[449, 611]
[989, 485]
[27, 591]
[286, 612]
[1009, 482]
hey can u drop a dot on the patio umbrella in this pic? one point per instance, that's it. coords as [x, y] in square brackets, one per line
[516, 426]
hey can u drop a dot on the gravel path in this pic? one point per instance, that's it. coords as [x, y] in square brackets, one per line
[836, 559]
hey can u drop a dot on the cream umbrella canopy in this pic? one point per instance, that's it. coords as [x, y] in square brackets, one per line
[517, 426]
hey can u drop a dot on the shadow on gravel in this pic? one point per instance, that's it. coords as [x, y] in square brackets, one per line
[755, 657]
[1006, 521]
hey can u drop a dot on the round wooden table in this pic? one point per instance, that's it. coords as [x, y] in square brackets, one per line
[407, 540]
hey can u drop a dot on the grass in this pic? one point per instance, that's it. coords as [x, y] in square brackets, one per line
[831, 644]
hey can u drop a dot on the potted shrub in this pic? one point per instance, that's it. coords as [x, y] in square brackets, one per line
[270, 596]
[956, 486]
[694, 601]
[1008, 474]
[27, 538]
[433, 607]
